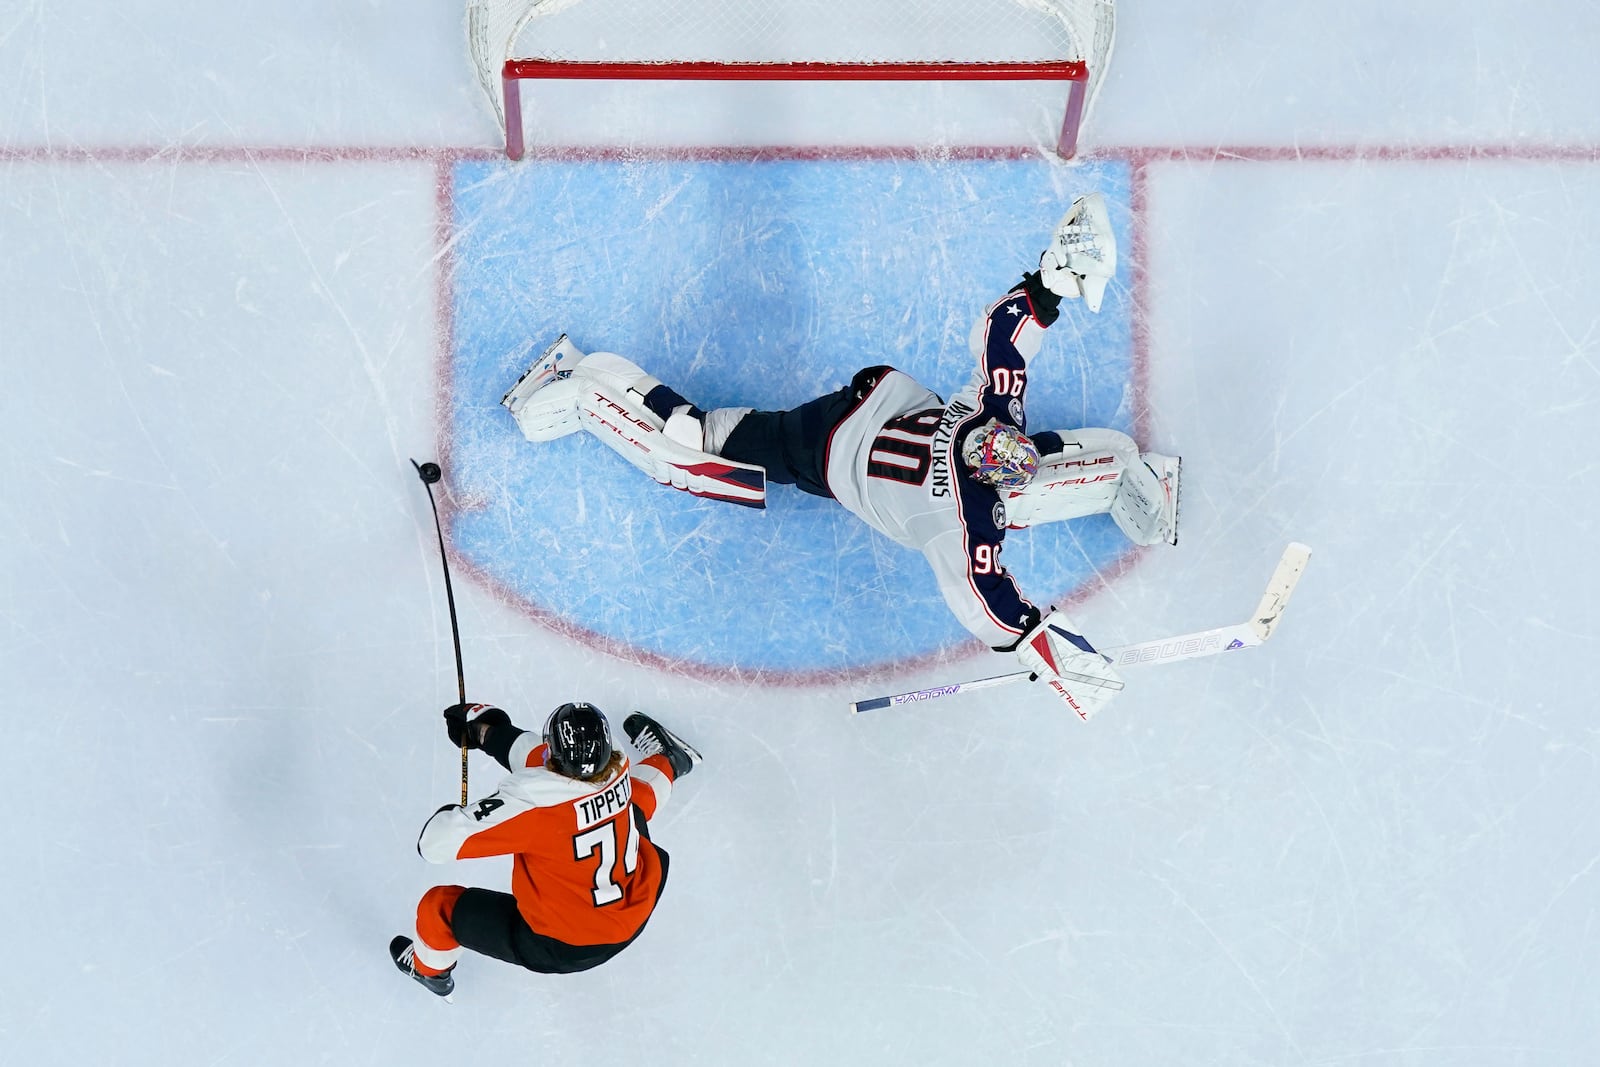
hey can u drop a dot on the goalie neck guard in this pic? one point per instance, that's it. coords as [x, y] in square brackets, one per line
[1000, 455]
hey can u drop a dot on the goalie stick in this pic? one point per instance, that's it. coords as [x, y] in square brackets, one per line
[1246, 634]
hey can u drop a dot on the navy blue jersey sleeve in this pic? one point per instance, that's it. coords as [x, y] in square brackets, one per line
[1003, 342]
[975, 583]
[965, 558]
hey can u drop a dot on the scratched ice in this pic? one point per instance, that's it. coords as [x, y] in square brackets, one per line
[1359, 277]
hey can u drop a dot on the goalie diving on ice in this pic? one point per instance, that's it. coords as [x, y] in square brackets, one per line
[948, 478]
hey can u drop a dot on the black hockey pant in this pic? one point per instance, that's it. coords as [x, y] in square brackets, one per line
[792, 445]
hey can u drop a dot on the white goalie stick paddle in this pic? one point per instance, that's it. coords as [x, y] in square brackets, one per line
[1245, 634]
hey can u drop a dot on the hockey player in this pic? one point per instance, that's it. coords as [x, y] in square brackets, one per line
[946, 478]
[574, 816]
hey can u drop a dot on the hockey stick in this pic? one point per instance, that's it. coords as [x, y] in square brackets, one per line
[430, 473]
[1246, 634]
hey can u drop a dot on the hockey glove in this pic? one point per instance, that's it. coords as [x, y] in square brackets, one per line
[1065, 661]
[465, 733]
[1082, 257]
[1046, 302]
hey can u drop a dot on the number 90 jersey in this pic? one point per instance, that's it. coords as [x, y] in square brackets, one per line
[895, 460]
[582, 872]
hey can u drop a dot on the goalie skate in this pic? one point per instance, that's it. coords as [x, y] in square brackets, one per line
[556, 363]
[1170, 470]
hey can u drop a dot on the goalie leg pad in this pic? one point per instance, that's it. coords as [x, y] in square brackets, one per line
[544, 399]
[1080, 480]
[611, 406]
[1146, 505]
[565, 391]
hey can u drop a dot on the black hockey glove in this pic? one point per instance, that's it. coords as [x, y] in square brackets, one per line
[1046, 305]
[1029, 620]
[465, 733]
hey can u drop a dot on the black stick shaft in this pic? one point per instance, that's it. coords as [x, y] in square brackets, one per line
[455, 630]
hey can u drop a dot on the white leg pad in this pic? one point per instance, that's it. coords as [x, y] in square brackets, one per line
[566, 391]
[550, 413]
[1146, 505]
[1082, 480]
[544, 402]
[610, 404]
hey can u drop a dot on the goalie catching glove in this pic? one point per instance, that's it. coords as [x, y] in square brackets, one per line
[1064, 660]
[1082, 257]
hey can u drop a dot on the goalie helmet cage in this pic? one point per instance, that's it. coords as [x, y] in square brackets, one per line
[799, 40]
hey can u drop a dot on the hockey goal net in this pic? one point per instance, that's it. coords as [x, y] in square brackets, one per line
[1069, 41]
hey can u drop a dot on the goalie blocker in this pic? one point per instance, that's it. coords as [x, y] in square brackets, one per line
[566, 391]
[1063, 659]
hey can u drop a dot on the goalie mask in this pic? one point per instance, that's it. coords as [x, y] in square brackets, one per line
[1000, 455]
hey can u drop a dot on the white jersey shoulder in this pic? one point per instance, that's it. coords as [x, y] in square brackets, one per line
[533, 786]
[892, 462]
[881, 455]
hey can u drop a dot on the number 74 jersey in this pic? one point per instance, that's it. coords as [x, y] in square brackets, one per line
[895, 461]
[582, 870]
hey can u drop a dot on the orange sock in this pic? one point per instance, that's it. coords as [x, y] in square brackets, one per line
[434, 936]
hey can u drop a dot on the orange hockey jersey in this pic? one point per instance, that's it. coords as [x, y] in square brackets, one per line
[582, 872]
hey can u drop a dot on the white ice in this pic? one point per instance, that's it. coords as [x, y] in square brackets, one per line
[1369, 288]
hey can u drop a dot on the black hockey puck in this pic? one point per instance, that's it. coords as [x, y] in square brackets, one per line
[430, 472]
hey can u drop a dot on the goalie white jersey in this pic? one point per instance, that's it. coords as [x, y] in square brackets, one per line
[895, 461]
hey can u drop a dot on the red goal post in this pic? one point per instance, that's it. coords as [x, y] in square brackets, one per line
[798, 40]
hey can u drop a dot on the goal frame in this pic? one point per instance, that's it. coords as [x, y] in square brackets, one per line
[1074, 72]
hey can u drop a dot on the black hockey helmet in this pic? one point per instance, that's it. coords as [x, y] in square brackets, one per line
[580, 740]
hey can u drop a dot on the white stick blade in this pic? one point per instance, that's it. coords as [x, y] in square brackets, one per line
[1279, 589]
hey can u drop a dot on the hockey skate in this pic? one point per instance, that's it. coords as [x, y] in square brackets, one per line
[556, 363]
[1169, 469]
[403, 952]
[651, 738]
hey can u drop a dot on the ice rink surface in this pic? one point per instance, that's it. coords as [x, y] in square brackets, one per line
[1359, 268]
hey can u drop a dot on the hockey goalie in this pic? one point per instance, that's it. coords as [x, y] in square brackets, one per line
[947, 478]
